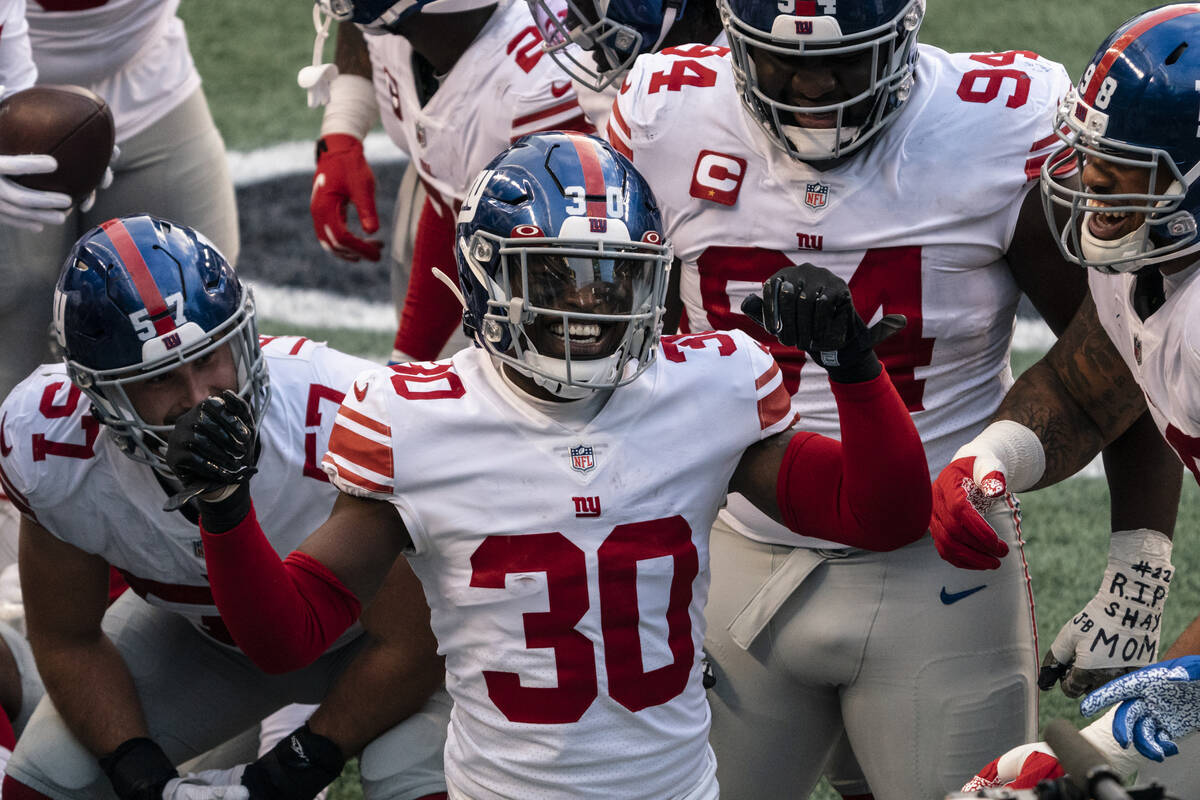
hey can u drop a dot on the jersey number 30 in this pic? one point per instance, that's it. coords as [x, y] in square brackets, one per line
[565, 567]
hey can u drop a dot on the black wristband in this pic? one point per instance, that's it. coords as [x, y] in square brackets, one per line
[862, 370]
[297, 768]
[221, 516]
[138, 769]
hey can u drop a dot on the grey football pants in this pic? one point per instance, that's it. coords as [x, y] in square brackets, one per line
[196, 694]
[927, 692]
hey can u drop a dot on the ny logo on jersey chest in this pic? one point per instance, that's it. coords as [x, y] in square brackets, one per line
[587, 506]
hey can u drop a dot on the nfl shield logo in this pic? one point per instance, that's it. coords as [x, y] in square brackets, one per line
[816, 195]
[581, 458]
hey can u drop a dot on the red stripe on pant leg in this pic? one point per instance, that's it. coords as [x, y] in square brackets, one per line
[15, 790]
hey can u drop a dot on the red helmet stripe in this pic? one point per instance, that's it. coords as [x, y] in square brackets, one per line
[1117, 47]
[593, 175]
[143, 281]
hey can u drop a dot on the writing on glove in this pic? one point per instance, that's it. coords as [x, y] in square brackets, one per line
[1118, 630]
[808, 307]
[343, 178]
[1159, 704]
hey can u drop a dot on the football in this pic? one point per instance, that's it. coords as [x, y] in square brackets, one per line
[70, 123]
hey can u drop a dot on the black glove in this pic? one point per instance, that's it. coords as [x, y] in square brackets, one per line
[809, 307]
[297, 768]
[212, 451]
[138, 769]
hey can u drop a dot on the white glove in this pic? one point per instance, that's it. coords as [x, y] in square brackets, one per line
[211, 784]
[1118, 630]
[30, 208]
[105, 182]
[1158, 705]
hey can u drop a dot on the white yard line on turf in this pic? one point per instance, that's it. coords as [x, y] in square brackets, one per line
[292, 158]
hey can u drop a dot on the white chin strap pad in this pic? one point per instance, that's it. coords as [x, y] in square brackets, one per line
[1130, 246]
[818, 143]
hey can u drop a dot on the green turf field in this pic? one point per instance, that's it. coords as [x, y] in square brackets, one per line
[248, 54]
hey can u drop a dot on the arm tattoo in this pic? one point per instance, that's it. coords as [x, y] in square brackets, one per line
[1077, 399]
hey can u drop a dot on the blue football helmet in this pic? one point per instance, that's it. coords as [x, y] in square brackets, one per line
[596, 41]
[563, 263]
[139, 296]
[879, 36]
[1134, 108]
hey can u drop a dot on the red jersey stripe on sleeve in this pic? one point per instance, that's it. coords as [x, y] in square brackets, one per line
[774, 407]
[618, 144]
[353, 478]
[619, 118]
[16, 497]
[767, 376]
[365, 421]
[366, 454]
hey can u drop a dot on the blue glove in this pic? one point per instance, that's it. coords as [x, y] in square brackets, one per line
[1159, 704]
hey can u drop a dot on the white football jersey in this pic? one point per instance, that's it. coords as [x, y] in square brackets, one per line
[133, 53]
[566, 569]
[17, 71]
[1162, 352]
[63, 472]
[917, 224]
[501, 88]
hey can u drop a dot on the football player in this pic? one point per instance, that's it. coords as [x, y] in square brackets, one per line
[21, 206]
[151, 318]
[456, 81]
[1133, 343]
[826, 133]
[553, 486]
[134, 54]
[596, 42]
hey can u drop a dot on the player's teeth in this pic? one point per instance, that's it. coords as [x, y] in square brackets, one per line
[582, 331]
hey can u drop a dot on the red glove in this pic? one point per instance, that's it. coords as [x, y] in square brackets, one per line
[962, 536]
[1020, 768]
[343, 177]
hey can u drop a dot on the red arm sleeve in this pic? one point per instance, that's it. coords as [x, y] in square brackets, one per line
[872, 489]
[282, 614]
[431, 311]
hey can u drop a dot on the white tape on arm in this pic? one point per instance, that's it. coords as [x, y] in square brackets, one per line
[352, 108]
[1010, 447]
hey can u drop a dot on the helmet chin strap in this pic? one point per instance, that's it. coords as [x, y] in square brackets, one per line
[1103, 252]
[543, 367]
[668, 20]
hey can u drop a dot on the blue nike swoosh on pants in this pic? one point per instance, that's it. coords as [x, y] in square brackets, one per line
[954, 597]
